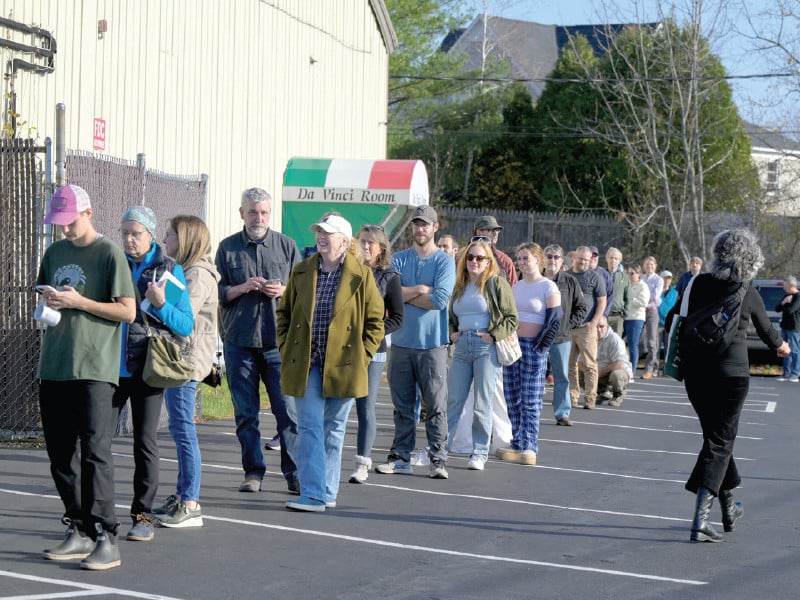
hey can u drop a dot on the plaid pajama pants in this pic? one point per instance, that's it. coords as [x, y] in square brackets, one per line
[523, 388]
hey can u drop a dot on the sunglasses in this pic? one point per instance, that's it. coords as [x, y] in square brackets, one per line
[553, 256]
[480, 238]
[475, 257]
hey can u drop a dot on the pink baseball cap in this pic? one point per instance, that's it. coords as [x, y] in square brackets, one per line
[66, 204]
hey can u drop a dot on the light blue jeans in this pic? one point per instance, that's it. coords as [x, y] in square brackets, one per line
[365, 409]
[473, 359]
[559, 362]
[321, 424]
[791, 363]
[180, 407]
[633, 332]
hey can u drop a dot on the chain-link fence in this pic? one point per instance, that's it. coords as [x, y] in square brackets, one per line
[113, 185]
[21, 210]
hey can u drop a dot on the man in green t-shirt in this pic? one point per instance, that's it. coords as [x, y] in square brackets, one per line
[86, 278]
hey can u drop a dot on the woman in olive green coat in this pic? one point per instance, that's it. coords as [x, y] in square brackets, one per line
[330, 323]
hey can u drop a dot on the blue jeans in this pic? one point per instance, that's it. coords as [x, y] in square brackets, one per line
[409, 368]
[321, 423]
[473, 359]
[651, 340]
[559, 363]
[633, 332]
[245, 369]
[791, 363]
[365, 408]
[180, 407]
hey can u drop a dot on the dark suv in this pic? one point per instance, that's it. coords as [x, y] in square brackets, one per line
[771, 292]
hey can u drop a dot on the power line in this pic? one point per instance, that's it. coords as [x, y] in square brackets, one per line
[589, 79]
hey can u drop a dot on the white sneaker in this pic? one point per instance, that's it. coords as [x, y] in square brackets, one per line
[437, 470]
[420, 459]
[395, 466]
[794, 380]
[361, 471]
[782, 378]
[476, 462]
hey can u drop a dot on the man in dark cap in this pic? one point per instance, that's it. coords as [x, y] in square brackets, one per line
[419, 347]
[488, 227]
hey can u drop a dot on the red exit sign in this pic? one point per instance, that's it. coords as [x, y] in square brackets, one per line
[99, 139]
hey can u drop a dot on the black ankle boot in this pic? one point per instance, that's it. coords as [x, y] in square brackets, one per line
[731, 511]
[106, 552]
[702, 531]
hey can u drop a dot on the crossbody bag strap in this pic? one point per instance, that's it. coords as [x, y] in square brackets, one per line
[144, 312]
[685, 300]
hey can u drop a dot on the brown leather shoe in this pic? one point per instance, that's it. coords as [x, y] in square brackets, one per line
[647, 375]
[564, 421]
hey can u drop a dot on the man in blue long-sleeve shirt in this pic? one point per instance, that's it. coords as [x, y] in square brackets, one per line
[419, 347]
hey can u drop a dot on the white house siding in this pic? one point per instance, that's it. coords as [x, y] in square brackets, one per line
[223, 87]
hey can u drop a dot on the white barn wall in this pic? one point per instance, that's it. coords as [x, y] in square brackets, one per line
[225, 88]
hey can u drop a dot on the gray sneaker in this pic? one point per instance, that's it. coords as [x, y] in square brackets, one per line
[395, 466]
[251, 484]
[169, 505]
[437, 470]
[142, 530]
[182, 516]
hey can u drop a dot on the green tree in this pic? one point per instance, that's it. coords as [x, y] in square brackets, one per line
[418, 70]
[573, 168]
[648, 131]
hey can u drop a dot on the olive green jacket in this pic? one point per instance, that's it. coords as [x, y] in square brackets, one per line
[355, 331]
[503, 317]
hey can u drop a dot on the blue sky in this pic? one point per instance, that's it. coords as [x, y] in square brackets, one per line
[738, 54]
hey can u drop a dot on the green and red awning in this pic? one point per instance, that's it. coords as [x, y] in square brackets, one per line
[403, 182]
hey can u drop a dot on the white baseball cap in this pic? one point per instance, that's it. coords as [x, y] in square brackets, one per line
[334, 224]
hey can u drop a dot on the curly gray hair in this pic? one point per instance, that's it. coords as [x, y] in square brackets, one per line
[735, 255]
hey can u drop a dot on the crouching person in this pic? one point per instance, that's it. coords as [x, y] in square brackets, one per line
[614, 370]
[330, 323]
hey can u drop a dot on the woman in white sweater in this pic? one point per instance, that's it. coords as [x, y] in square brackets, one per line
[634, 318]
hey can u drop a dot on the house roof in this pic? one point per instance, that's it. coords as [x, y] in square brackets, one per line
[532, 48]
[763, 138]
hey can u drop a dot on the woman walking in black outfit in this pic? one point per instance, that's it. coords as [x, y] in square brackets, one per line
[717, 386]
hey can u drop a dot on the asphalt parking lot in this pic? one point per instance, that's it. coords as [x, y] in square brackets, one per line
[603, 515]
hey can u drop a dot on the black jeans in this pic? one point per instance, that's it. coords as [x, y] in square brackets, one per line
[718, 402]
[79, 415]
[146, 403]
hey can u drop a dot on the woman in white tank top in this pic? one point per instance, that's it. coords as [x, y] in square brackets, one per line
[539, 306]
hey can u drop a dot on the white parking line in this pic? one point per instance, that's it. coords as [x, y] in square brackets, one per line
[662, 430]
[469, 555]
[82, 589]
[610, 447]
